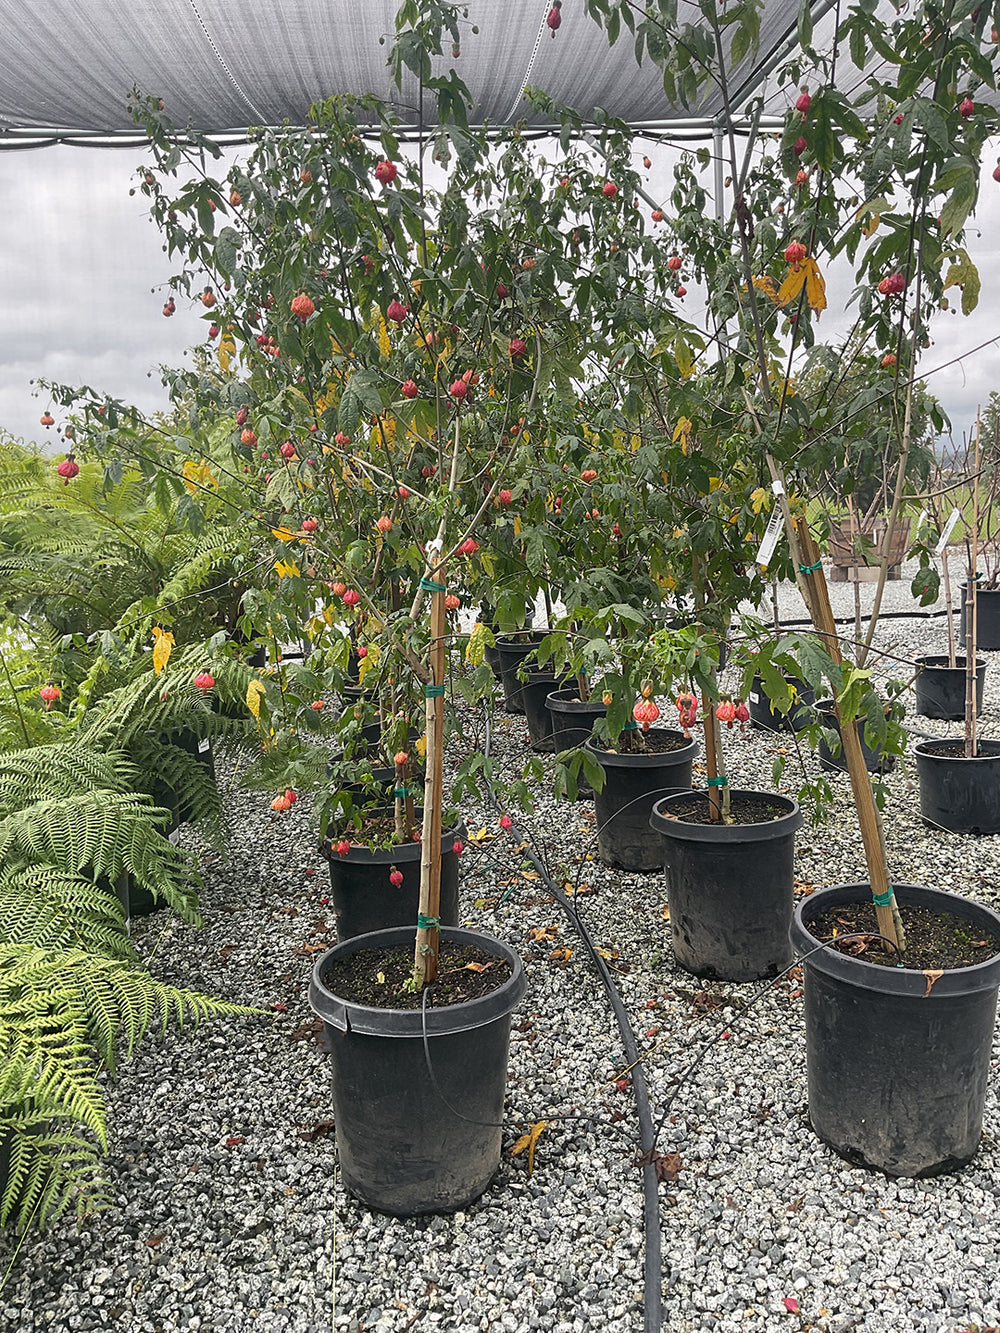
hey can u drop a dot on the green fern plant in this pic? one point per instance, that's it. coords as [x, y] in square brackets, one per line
[63, 1015]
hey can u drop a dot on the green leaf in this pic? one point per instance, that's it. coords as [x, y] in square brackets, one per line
[926, 585]
[805, 23]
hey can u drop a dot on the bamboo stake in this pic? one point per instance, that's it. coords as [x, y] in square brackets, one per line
[425, 953]
[949, 616]
[971, 617]
[857, 581]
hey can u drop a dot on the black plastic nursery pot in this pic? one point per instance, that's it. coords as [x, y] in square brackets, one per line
[364, 898]
[535, 689]
[875, 760]
[987, 619]
[512, 650]
[572, 723]
[764, 715]
[959, 794]
[402, 1148]
[897, 1059]
[729, 886]
[940, 688]
[633, 783]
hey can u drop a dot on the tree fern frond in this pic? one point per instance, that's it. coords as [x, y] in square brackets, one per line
[42, 906]
[48, 1169]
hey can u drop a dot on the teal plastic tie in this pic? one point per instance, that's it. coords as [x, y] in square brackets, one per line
[400, 793]
[433, 691]
[428, 585]
[883, 899]
[427, 922]
[718, 782]
[811, 569]
[630, 726]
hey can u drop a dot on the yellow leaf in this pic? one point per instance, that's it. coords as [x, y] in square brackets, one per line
[255, 692]
[871, 226]
[684, 358]
[480, 835]
[283, 534]
[815, 286]
[197, 475]
[285, 569]
[792, 285]
[227, 349]
[486, 560]
[162, 644]
[384, 345]
[517, 525]
[683, 427]
[480, 639]
[760, 499]
[766, 285]
[529, 1141]
[609, 954]
[421, 746]
[369, 661]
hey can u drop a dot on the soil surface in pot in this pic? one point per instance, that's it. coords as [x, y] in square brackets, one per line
[742, 810]
[378, 977]
[956, 750]
[933, 939]
[652, 742]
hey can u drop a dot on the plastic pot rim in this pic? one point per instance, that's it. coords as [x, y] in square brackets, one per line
[569, 701]
[939, 662]
[668, 759]
[924, 750]
[403, 851]
[347, 1016]
[734, 833]
[894, 980]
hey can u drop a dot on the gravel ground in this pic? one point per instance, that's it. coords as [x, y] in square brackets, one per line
[227, 1214]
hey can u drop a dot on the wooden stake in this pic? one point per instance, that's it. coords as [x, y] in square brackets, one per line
[871, 835]
[425, 953]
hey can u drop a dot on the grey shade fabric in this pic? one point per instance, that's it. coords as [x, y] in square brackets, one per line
[67, 66]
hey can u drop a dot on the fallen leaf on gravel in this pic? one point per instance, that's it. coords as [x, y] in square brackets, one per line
[577, 890]
[609, 954]
[665, 911]
[802, 888]
[306, 950]
[560, 956]
[529, 1141]
[155, 1240]
[306, 1030]
[235, 1141]
[791, 1305]
[318, 1131]
[543, 932]
[668, 1165]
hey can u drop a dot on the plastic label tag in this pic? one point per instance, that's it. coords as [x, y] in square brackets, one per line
[771, 534]
[949, 528]
[203, 745]
[754, 697]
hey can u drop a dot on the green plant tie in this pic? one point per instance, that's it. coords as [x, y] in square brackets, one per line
[718, 782]
[811, 569]
[428, 585]
[427, 922]
[433, 691]
[883, 899]
[630, 726]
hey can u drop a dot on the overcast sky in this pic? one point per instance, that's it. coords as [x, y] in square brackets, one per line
[82, 274]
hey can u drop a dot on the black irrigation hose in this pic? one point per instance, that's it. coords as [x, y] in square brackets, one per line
[883, 615]
[652, 1259]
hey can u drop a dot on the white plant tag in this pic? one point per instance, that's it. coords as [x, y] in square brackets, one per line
[203, 745]
[949, 528]
[771, 534]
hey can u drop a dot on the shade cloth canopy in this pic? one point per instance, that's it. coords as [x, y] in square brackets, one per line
[67, 66]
